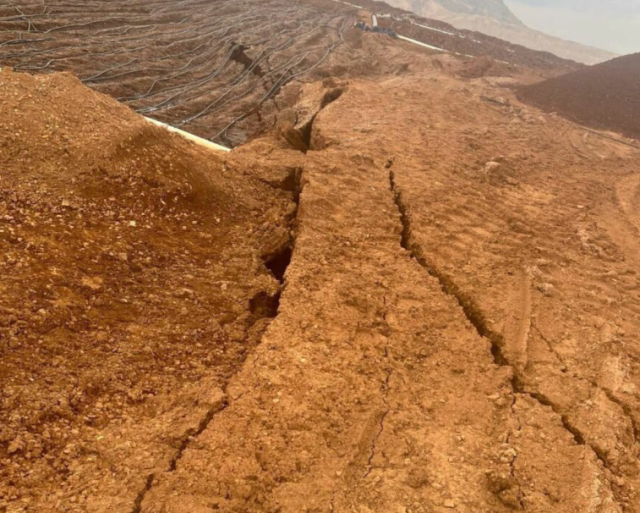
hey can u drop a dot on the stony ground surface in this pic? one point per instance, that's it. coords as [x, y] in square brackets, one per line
[455, 329]
[133, 287]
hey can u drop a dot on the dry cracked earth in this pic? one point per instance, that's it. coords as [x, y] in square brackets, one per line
[414, 294]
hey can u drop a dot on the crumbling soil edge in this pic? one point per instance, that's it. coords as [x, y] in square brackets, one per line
[477, 319]
[306, 131]
[184, 443]
[295, 180]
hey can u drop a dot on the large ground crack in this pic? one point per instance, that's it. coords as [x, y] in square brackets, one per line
[478, 321]
[606, 391]
[262, 306]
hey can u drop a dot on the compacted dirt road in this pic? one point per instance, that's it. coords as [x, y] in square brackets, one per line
[419, 296]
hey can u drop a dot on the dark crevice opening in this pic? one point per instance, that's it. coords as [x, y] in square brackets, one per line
[184, 443]
[262, 306]
[306, 131]
[279, 263]
[329, 97]
[239, 55]
[265, 306]
[470, 309]
[192, 433]
[137, 505]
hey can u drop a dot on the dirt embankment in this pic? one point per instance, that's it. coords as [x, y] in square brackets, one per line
[605, 97]
[133, 286]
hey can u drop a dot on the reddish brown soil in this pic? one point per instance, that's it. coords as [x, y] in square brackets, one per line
[130, 263]
[457, 329]
[605, 96]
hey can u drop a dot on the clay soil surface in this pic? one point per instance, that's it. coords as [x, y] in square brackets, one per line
[414, 294]
[133, 285]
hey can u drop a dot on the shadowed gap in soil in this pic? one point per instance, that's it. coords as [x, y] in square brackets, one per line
[307, 130]
[184, 443]
[478, 321]
[262, 306]
[278, 262]
[239, 55]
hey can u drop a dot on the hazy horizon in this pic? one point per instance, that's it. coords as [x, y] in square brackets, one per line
[612, 25]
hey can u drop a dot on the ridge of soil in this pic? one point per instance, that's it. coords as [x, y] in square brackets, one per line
[604, 96]
[130, 259]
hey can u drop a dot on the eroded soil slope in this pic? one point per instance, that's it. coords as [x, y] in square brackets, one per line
[133, 286]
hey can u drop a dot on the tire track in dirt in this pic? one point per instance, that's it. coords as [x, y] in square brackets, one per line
[481, 229]
[518, 325]
[628, 197]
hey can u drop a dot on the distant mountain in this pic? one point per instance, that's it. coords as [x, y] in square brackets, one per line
[495, 9]
[493, 17]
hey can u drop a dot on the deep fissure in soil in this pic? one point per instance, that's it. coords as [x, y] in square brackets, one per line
[329, 97]
[261, 306]
[478, 321]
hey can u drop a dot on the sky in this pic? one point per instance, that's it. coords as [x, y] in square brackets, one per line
[608, 24]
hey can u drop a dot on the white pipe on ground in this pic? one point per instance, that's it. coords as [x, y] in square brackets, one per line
[420, 43]
[194, 138]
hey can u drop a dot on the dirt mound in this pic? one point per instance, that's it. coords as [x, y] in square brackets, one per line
[484, 67]
[603, 96]
[73, 141]
[133, 269]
